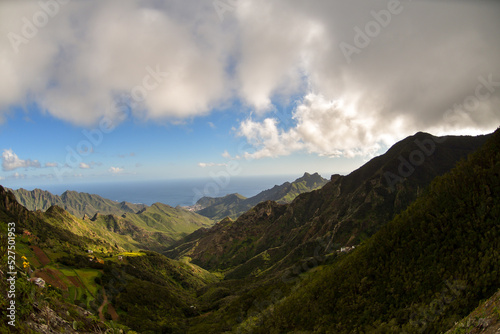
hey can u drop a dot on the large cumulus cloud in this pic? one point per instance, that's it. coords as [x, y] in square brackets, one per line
[419, 71]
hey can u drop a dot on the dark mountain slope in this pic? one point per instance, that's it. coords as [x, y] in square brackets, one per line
[420, 273]
[347, 210]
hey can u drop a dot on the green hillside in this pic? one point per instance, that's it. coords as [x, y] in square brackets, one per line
[422, 272]
[345, 211]
[426, 254]
[129, 226]
[85, 290]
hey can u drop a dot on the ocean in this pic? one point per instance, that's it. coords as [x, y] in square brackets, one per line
[174, 192]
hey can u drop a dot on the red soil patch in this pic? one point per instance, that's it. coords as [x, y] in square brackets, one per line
[35, 262]
[51, 277]
[76, 281]
[112, 312]
[42, 257]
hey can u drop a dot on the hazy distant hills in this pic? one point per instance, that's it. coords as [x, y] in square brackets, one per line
[234, 205]
[131, 226]
[76, 203]
[155, 227]
[345, 211]
[423, 218]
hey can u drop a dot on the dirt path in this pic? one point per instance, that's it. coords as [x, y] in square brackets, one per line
[104, 302]
[111, 309]
[112, 312]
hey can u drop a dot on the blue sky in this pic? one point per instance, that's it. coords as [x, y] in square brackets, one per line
[175, 89]
[140, 150]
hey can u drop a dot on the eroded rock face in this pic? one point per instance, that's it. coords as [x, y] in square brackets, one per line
[47, 321]
[484, 319]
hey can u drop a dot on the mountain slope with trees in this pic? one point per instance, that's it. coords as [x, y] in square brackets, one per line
[422, 272]
[427, 253]
[346, 211]
[87, 280]
[132, 226]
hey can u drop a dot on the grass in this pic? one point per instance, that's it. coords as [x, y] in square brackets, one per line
[87, 277]
[24, 250]
[132, 254]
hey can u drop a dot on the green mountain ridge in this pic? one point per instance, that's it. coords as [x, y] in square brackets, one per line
[130, 226]
[346, 211]
[426, 254]
[421, 273]
[234, 205]
[78, 204]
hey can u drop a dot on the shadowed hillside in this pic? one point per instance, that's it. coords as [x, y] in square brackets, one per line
[346, 211]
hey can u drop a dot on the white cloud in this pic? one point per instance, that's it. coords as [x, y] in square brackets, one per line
[426, 60]
[10, 161]
[83, 165]
[210, 164]
[228, 156]
[268, 139]
[2, 178]
[112, 48]
[327, 128]
[276, 43]
[51, 164]
[115, 170]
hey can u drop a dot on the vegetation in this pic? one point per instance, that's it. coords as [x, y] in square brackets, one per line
[149, 227]
[426, 255]
[344, 212]
[422, 272]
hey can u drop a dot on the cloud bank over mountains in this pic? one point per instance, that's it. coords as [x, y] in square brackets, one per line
[354, 74]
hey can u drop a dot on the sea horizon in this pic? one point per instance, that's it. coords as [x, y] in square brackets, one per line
[173, 192]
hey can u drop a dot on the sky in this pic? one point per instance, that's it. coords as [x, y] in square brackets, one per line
[99, 91]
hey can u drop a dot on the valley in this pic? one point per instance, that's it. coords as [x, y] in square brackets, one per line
[380, 250]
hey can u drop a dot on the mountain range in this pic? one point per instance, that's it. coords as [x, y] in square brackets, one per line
[234, 205]
[408, 243]
[126, 225]
[78, 204]
[346, 211]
